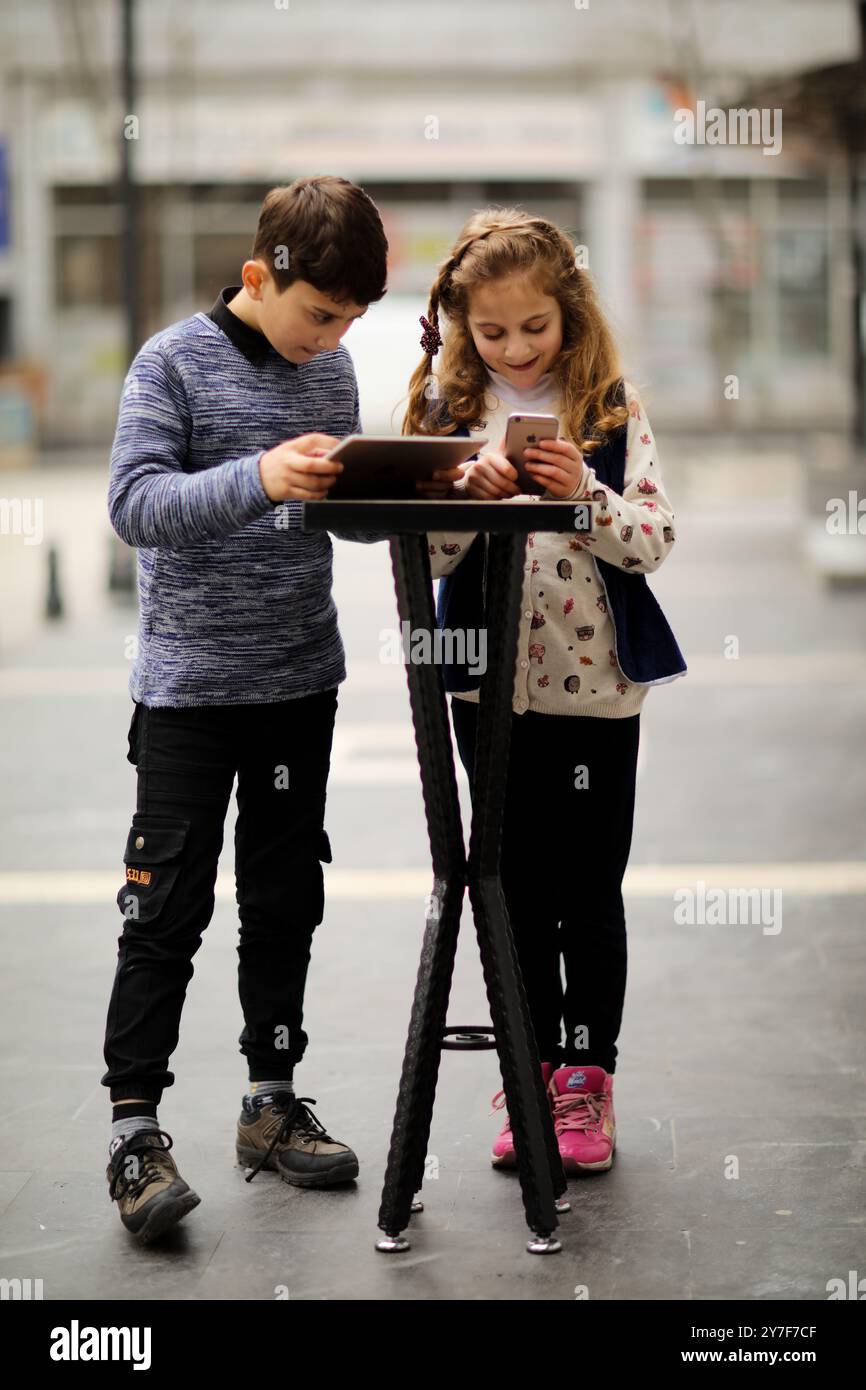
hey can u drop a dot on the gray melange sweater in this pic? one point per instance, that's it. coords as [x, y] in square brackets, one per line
[235, 602]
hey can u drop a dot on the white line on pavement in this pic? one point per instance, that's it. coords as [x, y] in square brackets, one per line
[83, 886]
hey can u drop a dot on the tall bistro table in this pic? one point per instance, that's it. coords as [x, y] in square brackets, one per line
[406, 523]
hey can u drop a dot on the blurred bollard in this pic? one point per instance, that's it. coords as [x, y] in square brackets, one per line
[121, 568]
[53, 602]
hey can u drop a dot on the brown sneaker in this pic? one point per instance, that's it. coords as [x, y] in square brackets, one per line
[151, 1195]
[283, 1134]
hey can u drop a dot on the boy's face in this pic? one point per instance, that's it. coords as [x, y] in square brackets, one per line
[516, 328]
[302, 321]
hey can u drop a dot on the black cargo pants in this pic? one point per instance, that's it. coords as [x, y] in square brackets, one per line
[187, 759]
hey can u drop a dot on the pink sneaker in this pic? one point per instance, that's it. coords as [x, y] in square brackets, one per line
[583, 1118]
[503, 1154]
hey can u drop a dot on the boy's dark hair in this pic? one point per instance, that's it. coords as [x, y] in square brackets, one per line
[327, 231]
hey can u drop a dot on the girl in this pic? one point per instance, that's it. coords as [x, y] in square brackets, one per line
[524, 334]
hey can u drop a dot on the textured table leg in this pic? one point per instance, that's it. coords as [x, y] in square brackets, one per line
[539, 1165]
[414, 1110]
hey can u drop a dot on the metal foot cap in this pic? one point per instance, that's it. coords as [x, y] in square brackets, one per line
[392, 1244]
[543, 1245]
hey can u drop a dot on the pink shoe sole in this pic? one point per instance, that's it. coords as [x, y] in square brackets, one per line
[572, 1168]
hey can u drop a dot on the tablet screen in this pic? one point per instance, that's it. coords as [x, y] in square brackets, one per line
[389, 467]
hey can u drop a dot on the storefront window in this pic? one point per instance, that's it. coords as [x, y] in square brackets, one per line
[732, 275]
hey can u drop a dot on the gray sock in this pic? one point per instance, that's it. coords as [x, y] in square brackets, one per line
[264, 1090]
[122, 1129]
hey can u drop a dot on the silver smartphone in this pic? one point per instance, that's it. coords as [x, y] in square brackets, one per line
[526, 432]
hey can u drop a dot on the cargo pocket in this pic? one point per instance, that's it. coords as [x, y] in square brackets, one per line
[154, 850]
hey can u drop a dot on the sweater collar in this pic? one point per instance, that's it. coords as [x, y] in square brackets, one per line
[253, 344]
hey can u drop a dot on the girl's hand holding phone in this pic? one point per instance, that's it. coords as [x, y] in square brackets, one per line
[491, 477]
[557, 465]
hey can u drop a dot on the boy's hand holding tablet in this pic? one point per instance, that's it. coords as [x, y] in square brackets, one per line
[300, 468]
[441, 484]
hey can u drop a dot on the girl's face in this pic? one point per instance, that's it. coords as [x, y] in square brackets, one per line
[516, 328]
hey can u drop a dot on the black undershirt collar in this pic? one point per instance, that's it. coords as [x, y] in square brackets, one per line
[253, 344]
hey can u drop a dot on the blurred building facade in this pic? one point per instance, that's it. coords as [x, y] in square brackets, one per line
[711, 260]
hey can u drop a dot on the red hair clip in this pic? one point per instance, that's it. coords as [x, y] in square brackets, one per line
[431, 338]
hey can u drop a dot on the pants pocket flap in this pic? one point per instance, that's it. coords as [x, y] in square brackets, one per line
[155, 840]
[154, 851]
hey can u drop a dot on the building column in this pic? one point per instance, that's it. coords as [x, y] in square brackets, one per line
[32, 246]
[612, 207]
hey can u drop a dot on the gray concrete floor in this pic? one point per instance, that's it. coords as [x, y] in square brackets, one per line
[736, 1044]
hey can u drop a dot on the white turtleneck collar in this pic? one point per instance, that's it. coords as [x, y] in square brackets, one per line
[524, 398]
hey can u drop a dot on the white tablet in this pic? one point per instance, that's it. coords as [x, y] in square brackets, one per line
[388, 467]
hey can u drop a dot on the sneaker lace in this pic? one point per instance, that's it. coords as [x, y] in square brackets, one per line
[297, 1118]
[579, 1110]
[498, 1101]
[145, 1145]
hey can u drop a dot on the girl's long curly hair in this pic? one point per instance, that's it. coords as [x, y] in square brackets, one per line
[494, 243]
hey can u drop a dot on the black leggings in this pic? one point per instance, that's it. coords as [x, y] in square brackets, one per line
[564, 854]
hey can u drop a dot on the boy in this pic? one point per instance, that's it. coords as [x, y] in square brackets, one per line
[223, 424]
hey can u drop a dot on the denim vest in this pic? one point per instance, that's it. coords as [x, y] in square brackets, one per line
[646, 649]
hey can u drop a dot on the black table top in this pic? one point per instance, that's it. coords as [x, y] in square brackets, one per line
[457, 514]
